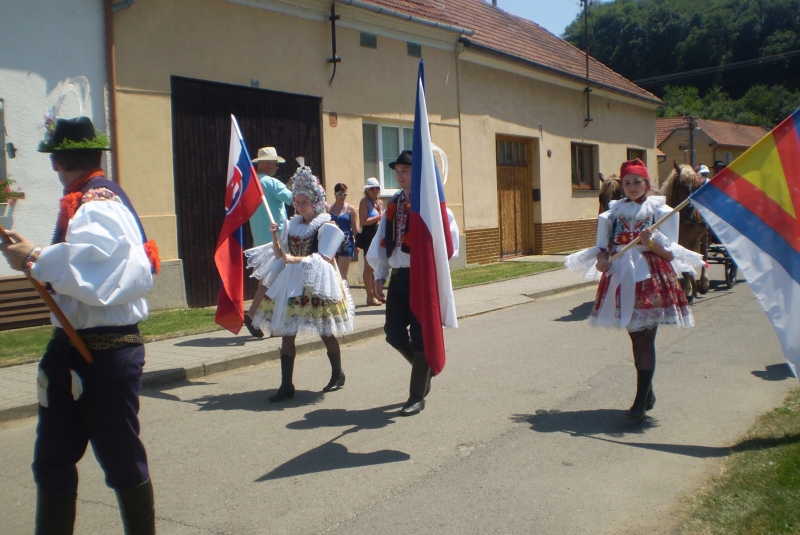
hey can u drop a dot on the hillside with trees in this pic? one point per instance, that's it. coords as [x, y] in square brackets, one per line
[730, 60]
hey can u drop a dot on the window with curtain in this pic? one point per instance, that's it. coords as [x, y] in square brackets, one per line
[584, 165]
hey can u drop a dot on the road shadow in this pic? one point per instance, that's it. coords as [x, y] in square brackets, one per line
[255, 401]
[774, 372]
[158, 391]
[332, 456]
[593, 423]
[376, 418]
[219, 341]
[579, 313]
[585, 423]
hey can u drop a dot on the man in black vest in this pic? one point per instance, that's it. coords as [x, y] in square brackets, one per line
[390, 252]
[100, 266]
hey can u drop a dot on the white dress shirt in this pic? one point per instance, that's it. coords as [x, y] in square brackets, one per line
[381, 265]
[101, 272]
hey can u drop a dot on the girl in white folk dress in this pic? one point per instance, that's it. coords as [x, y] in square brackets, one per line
[305, 292]
[640, 290]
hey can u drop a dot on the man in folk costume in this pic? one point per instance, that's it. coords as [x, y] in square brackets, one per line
[390, 252]
[100, 266]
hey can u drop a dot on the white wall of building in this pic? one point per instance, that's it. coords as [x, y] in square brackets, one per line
[42, 44]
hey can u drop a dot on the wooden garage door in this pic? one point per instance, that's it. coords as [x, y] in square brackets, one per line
[201, 121]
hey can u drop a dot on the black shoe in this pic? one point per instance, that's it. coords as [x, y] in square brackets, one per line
[284, 392]
[651, 400]
[644, 382]
[137, 509]
[414, 405]
[258, 333]
[336, 383]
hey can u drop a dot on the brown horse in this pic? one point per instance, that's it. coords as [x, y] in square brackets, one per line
[611, 190]
[681, 183]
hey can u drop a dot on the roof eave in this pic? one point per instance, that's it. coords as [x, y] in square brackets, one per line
[469, 43]
[405, 16]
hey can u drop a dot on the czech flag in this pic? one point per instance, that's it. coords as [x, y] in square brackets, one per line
[430, 242]
[754, 207]
[242, 197]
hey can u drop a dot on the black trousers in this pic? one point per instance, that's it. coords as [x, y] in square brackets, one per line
[401, 325]
[105, 415]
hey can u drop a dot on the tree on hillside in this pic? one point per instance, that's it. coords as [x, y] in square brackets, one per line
[648, 38]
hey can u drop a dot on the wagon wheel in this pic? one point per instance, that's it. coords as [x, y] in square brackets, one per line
[731, 270]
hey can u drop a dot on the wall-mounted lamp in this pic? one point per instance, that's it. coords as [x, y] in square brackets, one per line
[549, 153]
[11, 150]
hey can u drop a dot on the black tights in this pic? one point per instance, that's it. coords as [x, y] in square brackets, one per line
[644, 348]
[288, 349]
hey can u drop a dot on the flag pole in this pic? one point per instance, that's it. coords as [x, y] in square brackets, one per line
[53, 306]
[657, 224]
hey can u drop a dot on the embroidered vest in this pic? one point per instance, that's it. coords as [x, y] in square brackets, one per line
[393, 215]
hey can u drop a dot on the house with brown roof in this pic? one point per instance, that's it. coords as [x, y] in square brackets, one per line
[712, 142]
[526, 132]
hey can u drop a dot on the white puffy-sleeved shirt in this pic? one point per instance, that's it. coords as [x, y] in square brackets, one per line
[381, 265]
[101, 272]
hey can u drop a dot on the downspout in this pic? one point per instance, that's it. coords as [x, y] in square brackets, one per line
[111, 83]
[404, 16]
[111, 80]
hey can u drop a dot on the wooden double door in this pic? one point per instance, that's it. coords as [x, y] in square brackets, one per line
[515, 196]
[201, 123]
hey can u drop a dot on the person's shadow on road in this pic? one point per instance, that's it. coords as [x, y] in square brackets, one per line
[579, 313]
[595, 423]
[255, 401]
[333, 456]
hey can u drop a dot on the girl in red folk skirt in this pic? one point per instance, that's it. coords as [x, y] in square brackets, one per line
[639, 290]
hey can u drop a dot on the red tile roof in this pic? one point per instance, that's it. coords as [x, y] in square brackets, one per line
[666, 126]
[517, 38]
[721, 132]
[732, 134]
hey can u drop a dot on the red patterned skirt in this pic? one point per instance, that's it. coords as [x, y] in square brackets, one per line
[659, 299]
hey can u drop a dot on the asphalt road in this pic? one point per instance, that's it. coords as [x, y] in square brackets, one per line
[523, 433]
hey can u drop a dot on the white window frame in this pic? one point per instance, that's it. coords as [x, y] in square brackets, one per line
[401, 139]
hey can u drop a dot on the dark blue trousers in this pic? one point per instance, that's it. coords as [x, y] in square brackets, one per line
[400, 321]
[106, 414]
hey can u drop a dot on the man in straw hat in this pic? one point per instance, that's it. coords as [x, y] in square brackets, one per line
[278, 196]
[100, 266]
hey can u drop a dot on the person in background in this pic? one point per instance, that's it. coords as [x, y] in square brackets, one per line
[702, 172]
[369, 215]
[100, 266]
[346, 218]
[278, 196]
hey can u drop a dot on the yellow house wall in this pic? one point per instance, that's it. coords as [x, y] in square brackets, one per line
[495, 102]
[189, 38]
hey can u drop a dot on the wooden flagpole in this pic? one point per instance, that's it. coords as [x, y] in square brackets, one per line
[53, 306]
[657, 224]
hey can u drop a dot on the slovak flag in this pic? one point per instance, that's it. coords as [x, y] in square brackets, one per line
[242, 197]
[432, 301]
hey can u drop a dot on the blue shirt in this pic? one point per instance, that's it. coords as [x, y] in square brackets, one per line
[278, 196]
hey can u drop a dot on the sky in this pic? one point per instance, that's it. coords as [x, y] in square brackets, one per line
[553, 15]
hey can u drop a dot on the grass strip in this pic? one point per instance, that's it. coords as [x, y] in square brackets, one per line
[758, 489]
[498, 272]
[22, 345]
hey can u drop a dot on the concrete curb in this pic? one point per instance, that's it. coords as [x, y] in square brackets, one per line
[161, 378]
